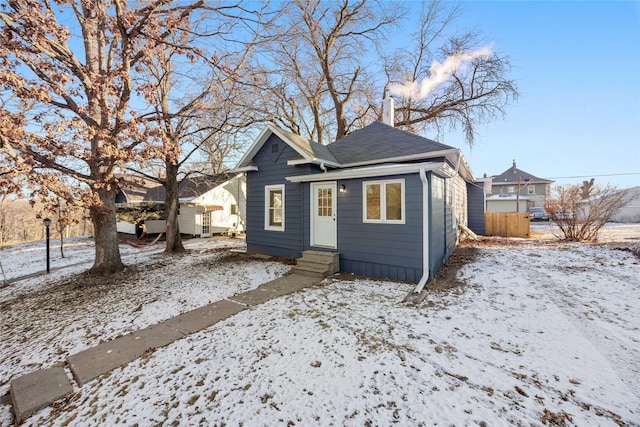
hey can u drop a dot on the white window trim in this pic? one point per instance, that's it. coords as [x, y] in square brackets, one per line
[531, 190]
[267, 190]
[383, 202]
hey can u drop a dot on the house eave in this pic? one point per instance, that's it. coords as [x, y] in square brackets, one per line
[497, 198]
[315, 161]
[245, 169]
[400, 159]
[452, 155]
[505, 183]
[376, 171]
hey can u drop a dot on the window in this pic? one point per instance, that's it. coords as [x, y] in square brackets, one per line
[511, 189]
[234, 209]
[531, 190]
[274, 207]
[383, 201]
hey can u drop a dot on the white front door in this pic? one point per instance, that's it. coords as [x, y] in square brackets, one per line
[323, 215]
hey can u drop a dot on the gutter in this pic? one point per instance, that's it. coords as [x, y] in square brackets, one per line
[425, 234]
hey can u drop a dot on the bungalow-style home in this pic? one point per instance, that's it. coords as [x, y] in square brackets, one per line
[515, 190]
[387, 201]
[208, 204]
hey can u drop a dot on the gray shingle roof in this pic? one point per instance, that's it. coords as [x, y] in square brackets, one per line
[510, 176]
[312, 149]
[139, 189]
[380, 141]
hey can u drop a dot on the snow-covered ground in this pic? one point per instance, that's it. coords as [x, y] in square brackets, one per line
[533, 332]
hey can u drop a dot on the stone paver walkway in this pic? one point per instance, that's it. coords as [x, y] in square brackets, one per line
[36, 390]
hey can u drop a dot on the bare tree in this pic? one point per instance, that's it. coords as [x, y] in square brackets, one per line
[448, 81]
[68, 91]
[191, 87]
[320, 83]
[323, 80]
[582, 219]
[585, 189]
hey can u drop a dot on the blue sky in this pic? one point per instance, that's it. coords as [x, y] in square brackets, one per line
[577, 66]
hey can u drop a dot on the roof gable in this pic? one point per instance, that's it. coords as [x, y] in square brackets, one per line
[308, 150]
[513, 175]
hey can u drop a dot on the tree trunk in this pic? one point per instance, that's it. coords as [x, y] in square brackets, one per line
[107, 260]
[173, 239]
[341, 120]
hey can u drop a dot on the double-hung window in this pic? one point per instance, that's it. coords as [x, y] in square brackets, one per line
[274, 207]
[383, 201]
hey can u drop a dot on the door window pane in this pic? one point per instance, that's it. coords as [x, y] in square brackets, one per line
[324, 201]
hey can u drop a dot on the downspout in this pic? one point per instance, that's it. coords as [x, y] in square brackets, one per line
[455, 193]
[323, 167]
[425, 233]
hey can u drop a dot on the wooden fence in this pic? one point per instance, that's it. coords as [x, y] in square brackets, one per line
[507, 224]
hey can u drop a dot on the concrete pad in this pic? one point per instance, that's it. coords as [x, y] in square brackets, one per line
[254, 297]
[91, 363]
[34, 391]
[277, 288]
[201, 318]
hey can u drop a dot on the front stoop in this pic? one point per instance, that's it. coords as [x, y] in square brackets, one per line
[317, 264]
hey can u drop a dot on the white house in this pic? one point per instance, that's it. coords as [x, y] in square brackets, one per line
[629, 212]
[208, 204]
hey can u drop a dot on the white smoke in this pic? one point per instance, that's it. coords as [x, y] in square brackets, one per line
[438, 74]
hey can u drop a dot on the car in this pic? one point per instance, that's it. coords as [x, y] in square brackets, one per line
[563, 214]
[538, 214]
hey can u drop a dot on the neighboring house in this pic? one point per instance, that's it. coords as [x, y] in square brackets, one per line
[208, 204]
[628, 213]
[511, 187]
[388, 201]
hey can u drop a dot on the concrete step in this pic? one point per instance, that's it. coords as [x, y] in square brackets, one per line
[303, 263]
[317, 264]
[311, 272]
[318, 256]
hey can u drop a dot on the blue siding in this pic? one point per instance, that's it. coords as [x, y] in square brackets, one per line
[380, 250]
[475, 207]
[393, 251]
[272, 170]
[451, 230]
[437, 224]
